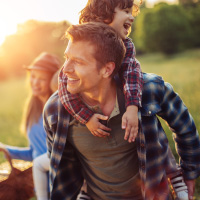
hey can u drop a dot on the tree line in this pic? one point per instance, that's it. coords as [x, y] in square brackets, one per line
[164, 28]
[31, 38]
[167, 28]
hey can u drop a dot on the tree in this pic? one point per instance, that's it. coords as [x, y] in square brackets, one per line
[164, 28]
[31, 39]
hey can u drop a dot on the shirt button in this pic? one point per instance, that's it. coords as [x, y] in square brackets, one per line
[59, 147]
[55, 166]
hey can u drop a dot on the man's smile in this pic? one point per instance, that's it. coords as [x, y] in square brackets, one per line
[72, 80]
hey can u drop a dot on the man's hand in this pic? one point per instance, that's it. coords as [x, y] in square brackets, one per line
[191, 188]
[130, 123]
[97, 128]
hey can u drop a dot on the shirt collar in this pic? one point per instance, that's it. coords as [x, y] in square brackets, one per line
[119, 104]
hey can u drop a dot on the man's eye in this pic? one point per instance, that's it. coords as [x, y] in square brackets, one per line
[77, 62]
[42, 79]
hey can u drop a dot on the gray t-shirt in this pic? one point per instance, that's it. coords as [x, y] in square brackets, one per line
[110, 165]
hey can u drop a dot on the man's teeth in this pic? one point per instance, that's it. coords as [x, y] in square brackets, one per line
[71, 79]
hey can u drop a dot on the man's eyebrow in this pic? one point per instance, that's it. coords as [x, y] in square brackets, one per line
[75, 58]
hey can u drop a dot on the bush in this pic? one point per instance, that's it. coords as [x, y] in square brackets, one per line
[31, 38]
[194, 19]
[164, 28]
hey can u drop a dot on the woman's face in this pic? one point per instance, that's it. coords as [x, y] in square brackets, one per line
[40, 83]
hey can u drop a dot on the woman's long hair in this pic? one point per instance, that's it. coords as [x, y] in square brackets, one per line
[32, 110]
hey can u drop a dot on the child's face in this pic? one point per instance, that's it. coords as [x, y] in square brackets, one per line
[122, 21]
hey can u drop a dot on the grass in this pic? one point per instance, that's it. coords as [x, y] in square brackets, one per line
[12, 101]
[181, 70]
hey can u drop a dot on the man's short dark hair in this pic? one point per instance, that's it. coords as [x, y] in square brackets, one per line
[108, 45]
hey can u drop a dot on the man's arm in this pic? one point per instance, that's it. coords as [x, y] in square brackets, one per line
[50, 120]
[49, 139]
[186, 136]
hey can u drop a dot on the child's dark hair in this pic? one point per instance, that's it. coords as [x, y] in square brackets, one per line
[103, 10]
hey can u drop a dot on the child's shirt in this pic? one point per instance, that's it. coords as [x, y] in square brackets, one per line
[130, 74]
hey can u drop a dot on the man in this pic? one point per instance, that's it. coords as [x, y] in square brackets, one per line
[112, 167]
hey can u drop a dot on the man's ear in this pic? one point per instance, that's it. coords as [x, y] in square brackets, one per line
[108, 69]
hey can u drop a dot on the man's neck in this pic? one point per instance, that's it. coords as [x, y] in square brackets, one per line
[104, 97]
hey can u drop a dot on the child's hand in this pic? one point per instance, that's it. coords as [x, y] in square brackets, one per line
[97, 128]
[130, 123]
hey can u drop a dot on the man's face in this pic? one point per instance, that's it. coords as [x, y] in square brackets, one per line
[80, 68]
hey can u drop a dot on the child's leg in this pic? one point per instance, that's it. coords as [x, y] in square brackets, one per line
[176, 178]
[40, 167]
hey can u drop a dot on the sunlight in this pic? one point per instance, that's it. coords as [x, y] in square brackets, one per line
[45, 10]
[7, 23]
[6, 29]
[150, 3]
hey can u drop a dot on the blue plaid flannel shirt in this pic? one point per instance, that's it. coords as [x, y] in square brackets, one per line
[159, 99]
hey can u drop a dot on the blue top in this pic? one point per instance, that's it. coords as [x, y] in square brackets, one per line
[37, 144]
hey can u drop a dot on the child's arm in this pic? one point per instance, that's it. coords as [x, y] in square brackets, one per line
[130, 123]
[74, 105]
[132, 77]
[97, 128]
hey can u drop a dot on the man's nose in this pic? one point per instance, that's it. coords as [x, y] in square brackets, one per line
[68, 67]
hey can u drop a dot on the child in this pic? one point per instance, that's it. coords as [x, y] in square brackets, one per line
[119, 15]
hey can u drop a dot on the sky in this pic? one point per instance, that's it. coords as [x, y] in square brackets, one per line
[13, 12]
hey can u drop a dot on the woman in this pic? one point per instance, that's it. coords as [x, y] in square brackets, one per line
[40, 74]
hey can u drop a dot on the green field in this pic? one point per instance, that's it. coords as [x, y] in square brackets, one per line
[181, 70]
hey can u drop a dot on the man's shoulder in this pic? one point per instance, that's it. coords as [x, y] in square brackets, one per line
[153, 89]
[152, 83]
[52, 104]
[152, 78]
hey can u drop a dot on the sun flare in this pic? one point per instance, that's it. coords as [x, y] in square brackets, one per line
[6, 29]
[45, 10]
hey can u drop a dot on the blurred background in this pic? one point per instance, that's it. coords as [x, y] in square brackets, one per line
[166, 35]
